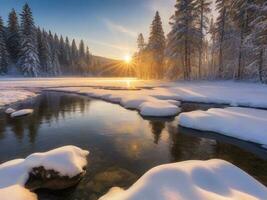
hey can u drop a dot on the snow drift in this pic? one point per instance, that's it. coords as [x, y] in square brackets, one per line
[67, 160]
[243, 123]
[190, 180]
[11, 96]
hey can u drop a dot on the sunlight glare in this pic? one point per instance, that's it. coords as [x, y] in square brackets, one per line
[127, 59]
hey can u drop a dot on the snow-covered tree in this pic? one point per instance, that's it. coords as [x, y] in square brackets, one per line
[156, 47]
[227, 40]
[4, 60]
[62, 52]
[141, 43]
[55, 67]
[28, 60]
[74, 55]
[13, 37]
[44, 51]
[203, 9]
[258, 40]
[68, 53]
[139, 57]
[184, 36]
[81, 57]
[240, 14]
[87, 56]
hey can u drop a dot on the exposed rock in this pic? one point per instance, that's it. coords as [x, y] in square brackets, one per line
[40, 178]
[103, 181]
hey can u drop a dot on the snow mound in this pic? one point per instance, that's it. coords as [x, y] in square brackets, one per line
[9, 111]
[243, 123]
[159, 109]
[11, 96]
[190, 180]
[16, 192]
[22, 112]
[67, 160]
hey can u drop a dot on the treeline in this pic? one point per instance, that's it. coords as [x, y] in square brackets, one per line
[30, 51]
[232, 46]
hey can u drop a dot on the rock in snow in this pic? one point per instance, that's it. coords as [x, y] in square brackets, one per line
[243, 123]
[9, 111]
[22, 112]
[68, 161]
[192, 180]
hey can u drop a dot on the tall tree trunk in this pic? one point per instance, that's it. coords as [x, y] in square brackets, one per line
[240, 56]
[261, 66]
[185, 61]
[221, 45]
[201, 42]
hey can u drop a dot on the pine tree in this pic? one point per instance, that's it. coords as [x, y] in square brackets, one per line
[13, 37]
[240, 15]
[44, 51]
[68, 53]
[81, 57]
[28, 60]
[62, 52]
[88, 57]
[141, 43]
[203, 8]
[4, 60]
[258, 38]
[81, 49]
[184, 35]
[156, 47]
[55, 67]
[139, 57]
[74, 55]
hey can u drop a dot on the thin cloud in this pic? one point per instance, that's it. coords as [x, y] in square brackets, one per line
[118, 47]
[119, 28]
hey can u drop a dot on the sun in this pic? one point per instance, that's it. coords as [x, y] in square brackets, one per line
[127, 59]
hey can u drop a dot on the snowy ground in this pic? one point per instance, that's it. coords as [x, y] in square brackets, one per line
[68, 160]
[242, 123]
[11, 96]
[190, 180]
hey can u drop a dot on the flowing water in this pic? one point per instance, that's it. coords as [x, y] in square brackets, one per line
[122, 144]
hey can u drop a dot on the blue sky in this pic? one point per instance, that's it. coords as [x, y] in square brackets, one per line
[108, 27]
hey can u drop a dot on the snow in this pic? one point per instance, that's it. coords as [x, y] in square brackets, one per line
[11, 96]
[222, 92]
[188, 180]
[243, 123]
[9, 111]
[22, 112]
[16, 192]
[67, 160]
[159, 109]
[141, 100]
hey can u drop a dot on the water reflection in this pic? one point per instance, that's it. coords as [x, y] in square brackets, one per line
[122, 144]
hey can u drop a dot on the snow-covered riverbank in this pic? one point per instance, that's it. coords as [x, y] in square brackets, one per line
[190, 180]
[160, 99]
[242, 123]
[9, 96]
